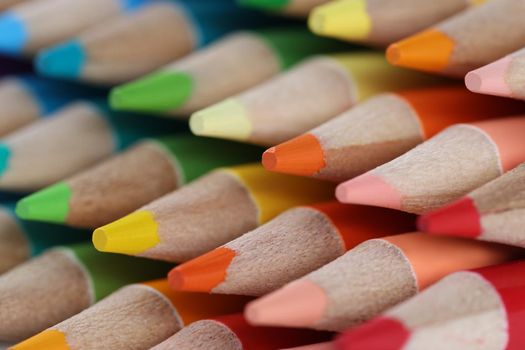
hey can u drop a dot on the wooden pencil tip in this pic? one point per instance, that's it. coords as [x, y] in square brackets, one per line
[269, 160]
[369, 189]
[393, 54]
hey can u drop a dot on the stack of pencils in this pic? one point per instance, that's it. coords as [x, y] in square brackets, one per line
[262, 174]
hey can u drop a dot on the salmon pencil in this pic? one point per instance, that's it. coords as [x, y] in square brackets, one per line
[468, 309]
[381, 22]
[224, 68]
[27, 98]
[133, 44]
[442, 169]
[76, 137]
[464, 42]
[31, 25]
[380, 129]
[127, 181]
[62, 282]
[504, 77]
[493, 212]
[208, 212]
[311, 93]
[233, 332]
[298, 241]
[137, 316]
[370, 278]
[296, 8]
[21, 240]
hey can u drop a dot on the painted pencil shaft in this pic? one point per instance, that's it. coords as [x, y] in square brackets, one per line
[442, 169]
[493, 212]
[32, 25]
[293, 244]
[368, 279]
[142, 315]
[296, 8]
[464, 42]
[199, 216]
[308, 95]
[381, 129]
[127, 181]
[226, 67]
[381, 22]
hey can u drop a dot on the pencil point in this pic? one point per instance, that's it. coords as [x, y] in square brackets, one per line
[342, 19]
[460, 218]
[298, 304]
[202, 274]
[302, 155]
[13, 34]
[5, 156]
[264, 4]
[380, 333]
[46, 340]
[49, 205]
[62, 61]
[133, 234]
[159, 92]
[490, 79]
[226, 120]
[368, 189]
[428, 51]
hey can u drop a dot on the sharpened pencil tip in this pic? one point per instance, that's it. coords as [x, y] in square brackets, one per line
[269, 160]
[368, 189]
[66, 60]
[13, 34]
[490, 79]
[159, 92]
[47, 340]
[5, 157]
[49, 205]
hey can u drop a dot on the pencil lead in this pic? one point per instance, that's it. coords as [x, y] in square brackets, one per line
[5, 157]
[158, 92]
[347, 19]
[49, 205]
[490, 79]
[264, 4]
[132, 234]
[46, 340]
[226, 119]
[63, 61]
[204, 273]
[13, 34]
[368, 189]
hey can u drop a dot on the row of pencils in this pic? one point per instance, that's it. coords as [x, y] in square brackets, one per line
[262, 174]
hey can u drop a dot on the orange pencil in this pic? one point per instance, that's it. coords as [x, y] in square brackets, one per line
[293, 244]
[493, 212]
[465, 41]
[442, 169]
[137, 316]
[234, 333]
[380, 129]
[375, 275]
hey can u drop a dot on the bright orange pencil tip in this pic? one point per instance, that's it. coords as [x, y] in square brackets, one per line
[428, 51]
[302, 156]
[203, 273]
[368, 189]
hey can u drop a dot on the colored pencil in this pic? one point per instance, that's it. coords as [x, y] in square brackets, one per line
[379, 130]
[127, 181]
[466, 310]
[503, 77]
[381, 22]
[442, 169]
[29, 26]
[233, 332]
[493, 212]
[76, 137]
[136, 43]
[20, 239]
[296, 8]
[208, 212]
[27, 98]
[298, 241]
[226, 67]
[294, 102]
[62, 282]
[368, 279]
[465, 41]
[137, 316]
